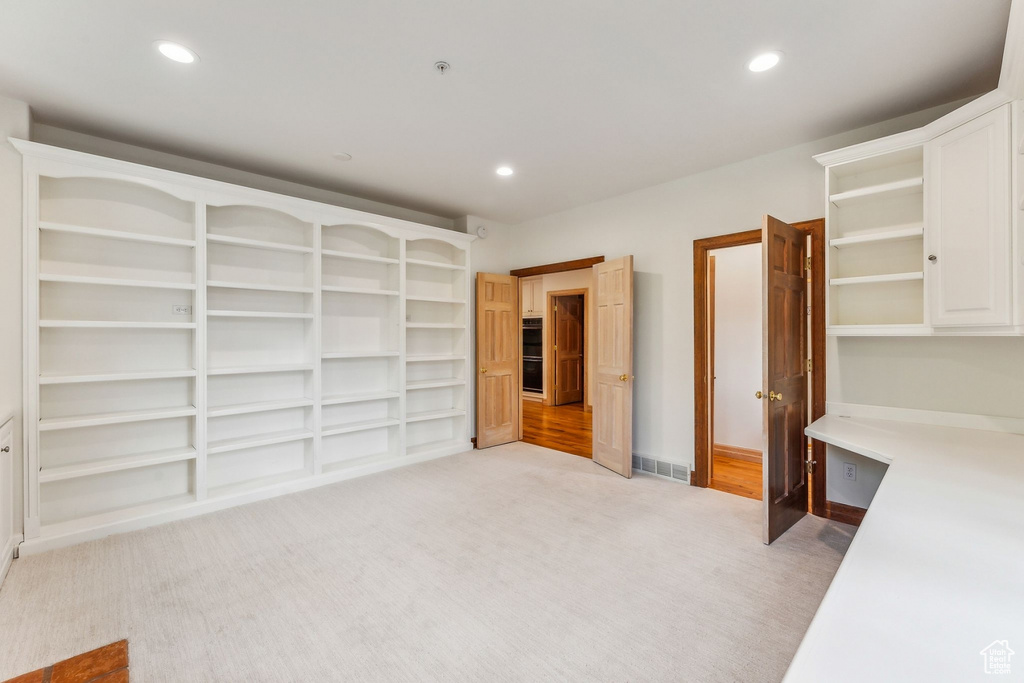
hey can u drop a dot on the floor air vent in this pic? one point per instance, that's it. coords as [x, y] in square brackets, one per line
[661, 468]
[681, 472]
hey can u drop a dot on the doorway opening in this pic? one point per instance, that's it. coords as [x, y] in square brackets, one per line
[556, 408]
[599, 307]
[715, 387]
[734, 366]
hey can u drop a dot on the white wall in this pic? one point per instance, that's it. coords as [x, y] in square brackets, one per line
[738, 415]
[14, 122]
[658, 225]
[69, 139]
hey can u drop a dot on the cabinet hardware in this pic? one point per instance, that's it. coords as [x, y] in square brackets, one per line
[5, 449]
[810, 466]
[933, 258]
[483, 369]
[623, 378]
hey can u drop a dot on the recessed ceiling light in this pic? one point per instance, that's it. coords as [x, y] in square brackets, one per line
[765, 61]
[343, 156]
[176, 52]
[504, 170]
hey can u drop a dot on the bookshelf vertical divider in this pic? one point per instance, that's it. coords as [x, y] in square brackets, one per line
[191, 345]
[316, 350]
[403, 347]
[199, 355]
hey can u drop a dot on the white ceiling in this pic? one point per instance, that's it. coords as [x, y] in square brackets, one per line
[586, 99]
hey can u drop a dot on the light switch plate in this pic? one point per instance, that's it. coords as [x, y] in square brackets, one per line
[182, 310]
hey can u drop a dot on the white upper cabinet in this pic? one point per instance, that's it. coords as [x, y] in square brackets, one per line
[922, 228]
[969, 270]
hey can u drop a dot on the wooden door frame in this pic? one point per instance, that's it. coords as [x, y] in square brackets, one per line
[701, 385]
[549, 344]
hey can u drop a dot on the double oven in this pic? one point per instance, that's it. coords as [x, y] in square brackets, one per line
[533, 355]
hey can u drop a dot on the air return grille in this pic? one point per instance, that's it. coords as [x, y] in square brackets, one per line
[662, 468]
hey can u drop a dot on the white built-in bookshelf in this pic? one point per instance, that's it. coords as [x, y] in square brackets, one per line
[875, 229]
[192, 345]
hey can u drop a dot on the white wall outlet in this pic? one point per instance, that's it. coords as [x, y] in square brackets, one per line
[849, 471]
[182, 310]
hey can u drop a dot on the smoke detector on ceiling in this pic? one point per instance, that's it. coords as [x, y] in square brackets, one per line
[442, 67]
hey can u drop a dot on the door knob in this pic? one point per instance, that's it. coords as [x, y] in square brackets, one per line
[483, 369]
[5, 449]
[623, 378]
[772, 396]
[758, 395]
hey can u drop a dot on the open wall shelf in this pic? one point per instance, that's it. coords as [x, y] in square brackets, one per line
[196, 342]
[875, 226]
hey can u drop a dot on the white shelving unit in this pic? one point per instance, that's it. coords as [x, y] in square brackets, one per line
[876, 227]
[192, 345]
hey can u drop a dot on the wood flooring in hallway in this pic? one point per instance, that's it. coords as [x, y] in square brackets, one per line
[562, 428]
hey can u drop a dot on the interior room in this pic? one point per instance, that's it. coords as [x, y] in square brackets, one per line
[378, 342]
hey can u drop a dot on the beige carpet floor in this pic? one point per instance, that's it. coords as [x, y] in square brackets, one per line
[512, 564]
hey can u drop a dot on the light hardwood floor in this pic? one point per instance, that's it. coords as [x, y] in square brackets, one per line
[562, 428]
[740, 477]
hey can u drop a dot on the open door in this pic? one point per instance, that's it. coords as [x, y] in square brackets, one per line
[568, 349]
[784, 390]
[498, 359]
[613, 354]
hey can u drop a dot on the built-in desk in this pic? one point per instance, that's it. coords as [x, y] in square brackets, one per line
[936, 571]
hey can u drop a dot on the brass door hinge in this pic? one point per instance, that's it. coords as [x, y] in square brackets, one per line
[555, 347]
[810, 365]
[807, 263]
[555, 309]
[810, 466]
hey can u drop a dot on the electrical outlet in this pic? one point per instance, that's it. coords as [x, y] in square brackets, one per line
[849, 471]
[181, 310]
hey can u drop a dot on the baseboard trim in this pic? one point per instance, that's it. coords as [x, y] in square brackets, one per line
[8, 555]
[841, 512]
[34, 546]
[737, 453]
[989, 423]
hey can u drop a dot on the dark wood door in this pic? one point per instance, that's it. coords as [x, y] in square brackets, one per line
[498, 359]
[569, 366]
[784, 344]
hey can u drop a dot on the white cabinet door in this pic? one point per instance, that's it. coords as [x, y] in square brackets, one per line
[968, 268]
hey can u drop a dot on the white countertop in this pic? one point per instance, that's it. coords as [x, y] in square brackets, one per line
[936, 571]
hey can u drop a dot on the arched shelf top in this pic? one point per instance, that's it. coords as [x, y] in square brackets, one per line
[258, 222]
[432, 250]
[360, 240]
[116, 204]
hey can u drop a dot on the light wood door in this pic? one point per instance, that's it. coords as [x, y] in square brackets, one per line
[784, 345]
[568, 349]
[498, 358]
[968, 228]
[613, 360]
